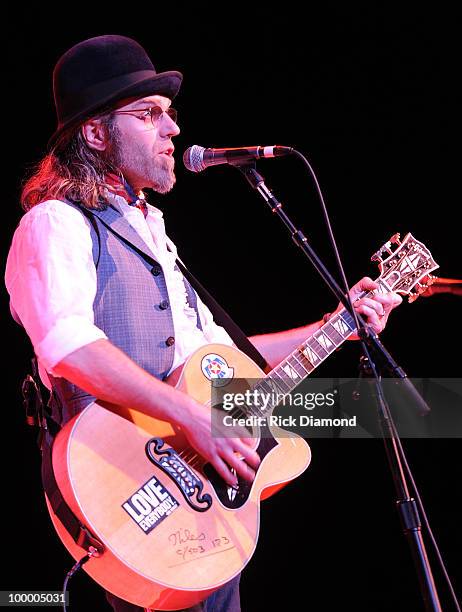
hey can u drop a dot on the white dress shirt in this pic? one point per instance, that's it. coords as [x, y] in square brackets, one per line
[51, 278]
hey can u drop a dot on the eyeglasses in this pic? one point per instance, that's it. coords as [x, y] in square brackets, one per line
[154, 112]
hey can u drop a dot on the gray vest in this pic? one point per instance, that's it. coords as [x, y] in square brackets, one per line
[131, 306]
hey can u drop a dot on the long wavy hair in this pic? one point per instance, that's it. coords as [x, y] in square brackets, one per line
[72, 170]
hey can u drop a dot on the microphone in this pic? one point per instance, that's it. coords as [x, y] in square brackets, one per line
[197, 158]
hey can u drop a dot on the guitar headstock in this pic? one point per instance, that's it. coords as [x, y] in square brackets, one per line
[407, 266]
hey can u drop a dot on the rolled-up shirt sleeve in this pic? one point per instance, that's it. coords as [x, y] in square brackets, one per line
[51, 279]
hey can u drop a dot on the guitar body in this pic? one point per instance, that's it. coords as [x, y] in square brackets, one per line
[163, 550]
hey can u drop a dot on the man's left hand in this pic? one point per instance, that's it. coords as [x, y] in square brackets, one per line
[375, 309]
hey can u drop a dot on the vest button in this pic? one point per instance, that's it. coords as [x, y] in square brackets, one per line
[156, 270]
[164, 305]
[170, 340]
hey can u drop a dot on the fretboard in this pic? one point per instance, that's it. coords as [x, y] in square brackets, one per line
[288, 374]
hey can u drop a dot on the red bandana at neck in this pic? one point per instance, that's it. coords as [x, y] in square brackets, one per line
[117, 186]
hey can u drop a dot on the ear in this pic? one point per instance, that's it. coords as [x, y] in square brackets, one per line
[94, 133]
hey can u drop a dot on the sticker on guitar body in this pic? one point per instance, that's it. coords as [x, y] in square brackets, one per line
[215, 367]
[150, 505]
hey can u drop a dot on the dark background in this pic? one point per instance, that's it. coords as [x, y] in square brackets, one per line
[369, 96]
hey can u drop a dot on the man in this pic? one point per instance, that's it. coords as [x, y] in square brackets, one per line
[94, 279]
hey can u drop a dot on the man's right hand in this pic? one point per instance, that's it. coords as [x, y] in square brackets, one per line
[224, 453]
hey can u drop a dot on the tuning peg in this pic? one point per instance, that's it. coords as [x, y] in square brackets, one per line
[412, 297]
[376, 257]
[421, 288]
[385, 248]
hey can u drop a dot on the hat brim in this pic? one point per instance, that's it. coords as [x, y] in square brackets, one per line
[163, 84]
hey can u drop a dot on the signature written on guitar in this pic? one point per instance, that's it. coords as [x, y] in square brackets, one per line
[189, 545]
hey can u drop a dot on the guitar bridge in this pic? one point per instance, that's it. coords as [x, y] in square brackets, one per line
[179, 471]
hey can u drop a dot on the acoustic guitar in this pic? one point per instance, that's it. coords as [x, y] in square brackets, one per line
[171, 530]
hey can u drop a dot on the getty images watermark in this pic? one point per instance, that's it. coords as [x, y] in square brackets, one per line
[332, 408]
[253, 409]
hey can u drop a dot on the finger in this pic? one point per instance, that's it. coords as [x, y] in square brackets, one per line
[223, 470]
[372, 318]
[365, 284]
[252, 442]
[375, 305]
[389, 301]
[244, 470]
[239, 464]
[383, 298]
[250, 455]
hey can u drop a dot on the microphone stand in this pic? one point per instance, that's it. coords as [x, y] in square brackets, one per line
[407, 507]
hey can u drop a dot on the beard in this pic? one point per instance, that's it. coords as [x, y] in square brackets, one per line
[135, 164]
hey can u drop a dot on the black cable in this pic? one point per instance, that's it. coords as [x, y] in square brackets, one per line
[75, 568]
[401, 453]
[331, 236]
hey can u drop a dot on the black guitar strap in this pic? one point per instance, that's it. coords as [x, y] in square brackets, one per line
[221, 317]
[77, 530]
[39, 414]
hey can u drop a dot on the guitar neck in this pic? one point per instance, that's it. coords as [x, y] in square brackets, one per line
[310, 354]
[406, 268]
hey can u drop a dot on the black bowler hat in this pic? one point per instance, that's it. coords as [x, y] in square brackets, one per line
[98, 72]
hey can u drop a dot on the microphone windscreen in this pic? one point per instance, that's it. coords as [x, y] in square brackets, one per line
[193, 158]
